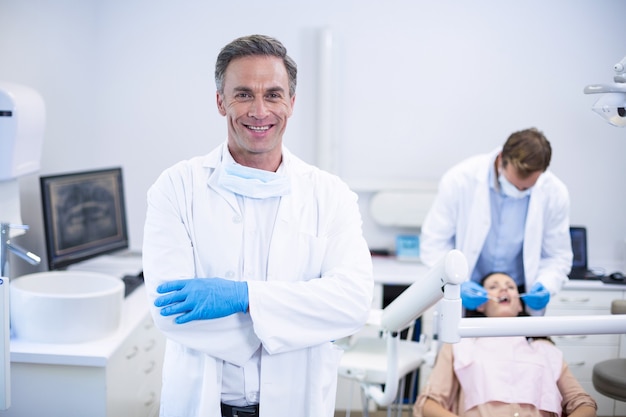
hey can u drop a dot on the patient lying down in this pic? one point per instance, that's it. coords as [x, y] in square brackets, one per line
[502, 376]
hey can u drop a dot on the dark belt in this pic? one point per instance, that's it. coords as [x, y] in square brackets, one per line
[237, 411]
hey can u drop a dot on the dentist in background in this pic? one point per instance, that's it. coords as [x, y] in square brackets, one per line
[254, 261]
[506, 212]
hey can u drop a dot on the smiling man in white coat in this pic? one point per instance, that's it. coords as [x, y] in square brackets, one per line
[507, 213]
[254, 261]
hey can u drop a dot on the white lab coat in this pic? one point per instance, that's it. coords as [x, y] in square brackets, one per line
[319, 288]
[460, 218]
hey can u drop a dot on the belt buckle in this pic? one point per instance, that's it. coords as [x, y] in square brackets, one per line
[243, 412]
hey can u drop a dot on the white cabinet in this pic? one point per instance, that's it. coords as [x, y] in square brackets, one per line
[134, 374]
[582, 352]
[620, 406]
[119, 376]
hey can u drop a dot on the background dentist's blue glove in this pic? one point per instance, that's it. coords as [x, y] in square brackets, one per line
[537, 298]
[473, 295]
[202, 298]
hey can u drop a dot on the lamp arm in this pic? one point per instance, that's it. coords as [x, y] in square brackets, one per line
[605, 88]
[424, 292]
[620, 81]
[541, 326]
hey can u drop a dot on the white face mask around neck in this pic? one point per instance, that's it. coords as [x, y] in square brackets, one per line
[510, 190]
[252, 182]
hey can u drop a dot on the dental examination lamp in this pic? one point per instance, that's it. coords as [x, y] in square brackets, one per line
[22, 120]
[612, 104]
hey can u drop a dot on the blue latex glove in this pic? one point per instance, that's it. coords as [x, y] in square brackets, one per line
[537, 298]
[473, 295]
[202, 298]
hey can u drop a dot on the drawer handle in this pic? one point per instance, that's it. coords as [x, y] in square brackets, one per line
[150, 345]
[581, 363]
[575, 300]
[150, 367]
[150, 400]
[132, 353]
[573, 337]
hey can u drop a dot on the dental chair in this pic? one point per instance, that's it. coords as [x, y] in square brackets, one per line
[381, 363]
[609, 376]
[387, 359]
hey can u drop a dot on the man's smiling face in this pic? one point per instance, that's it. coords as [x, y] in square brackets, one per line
[257, 105]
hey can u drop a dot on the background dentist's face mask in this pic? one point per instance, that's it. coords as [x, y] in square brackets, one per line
[509, 189]
[252, 182]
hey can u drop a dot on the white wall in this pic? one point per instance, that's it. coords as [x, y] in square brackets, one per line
[417, 86]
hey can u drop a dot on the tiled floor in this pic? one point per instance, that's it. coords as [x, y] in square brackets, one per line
[379, 413]
[382, 413]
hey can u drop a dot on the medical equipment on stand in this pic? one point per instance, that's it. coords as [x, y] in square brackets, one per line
[612, 104]
[22, 120]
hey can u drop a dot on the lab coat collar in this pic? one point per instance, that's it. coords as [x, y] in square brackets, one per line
[221, 155]
[483, 174]
[212, 162]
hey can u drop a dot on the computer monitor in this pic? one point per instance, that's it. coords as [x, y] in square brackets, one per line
[578, 235]
[84, 215]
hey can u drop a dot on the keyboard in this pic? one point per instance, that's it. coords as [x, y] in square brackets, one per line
[132, 282]
[585, 274]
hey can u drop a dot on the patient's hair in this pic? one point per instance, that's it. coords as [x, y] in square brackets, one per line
[528, 151]
[254, 45]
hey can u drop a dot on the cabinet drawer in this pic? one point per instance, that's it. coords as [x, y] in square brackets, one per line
[134, 373]
[584, 300]
[620, 408]
[581, 359]
[595, 339]
[148, 399]
[587, 340]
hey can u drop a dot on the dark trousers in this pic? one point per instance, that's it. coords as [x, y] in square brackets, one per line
[235, 411]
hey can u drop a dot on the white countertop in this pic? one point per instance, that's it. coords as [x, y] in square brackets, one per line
[387, 271]
[390, 271]
[94, 353]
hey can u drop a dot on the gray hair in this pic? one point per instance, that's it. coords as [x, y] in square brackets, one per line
[250, 46]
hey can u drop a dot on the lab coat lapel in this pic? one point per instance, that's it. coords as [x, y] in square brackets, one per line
[282, 236]
[213, 161]
[533, 232]
[480, 215]
[285, 231]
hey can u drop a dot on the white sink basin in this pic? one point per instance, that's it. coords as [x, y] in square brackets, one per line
[65, 306]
